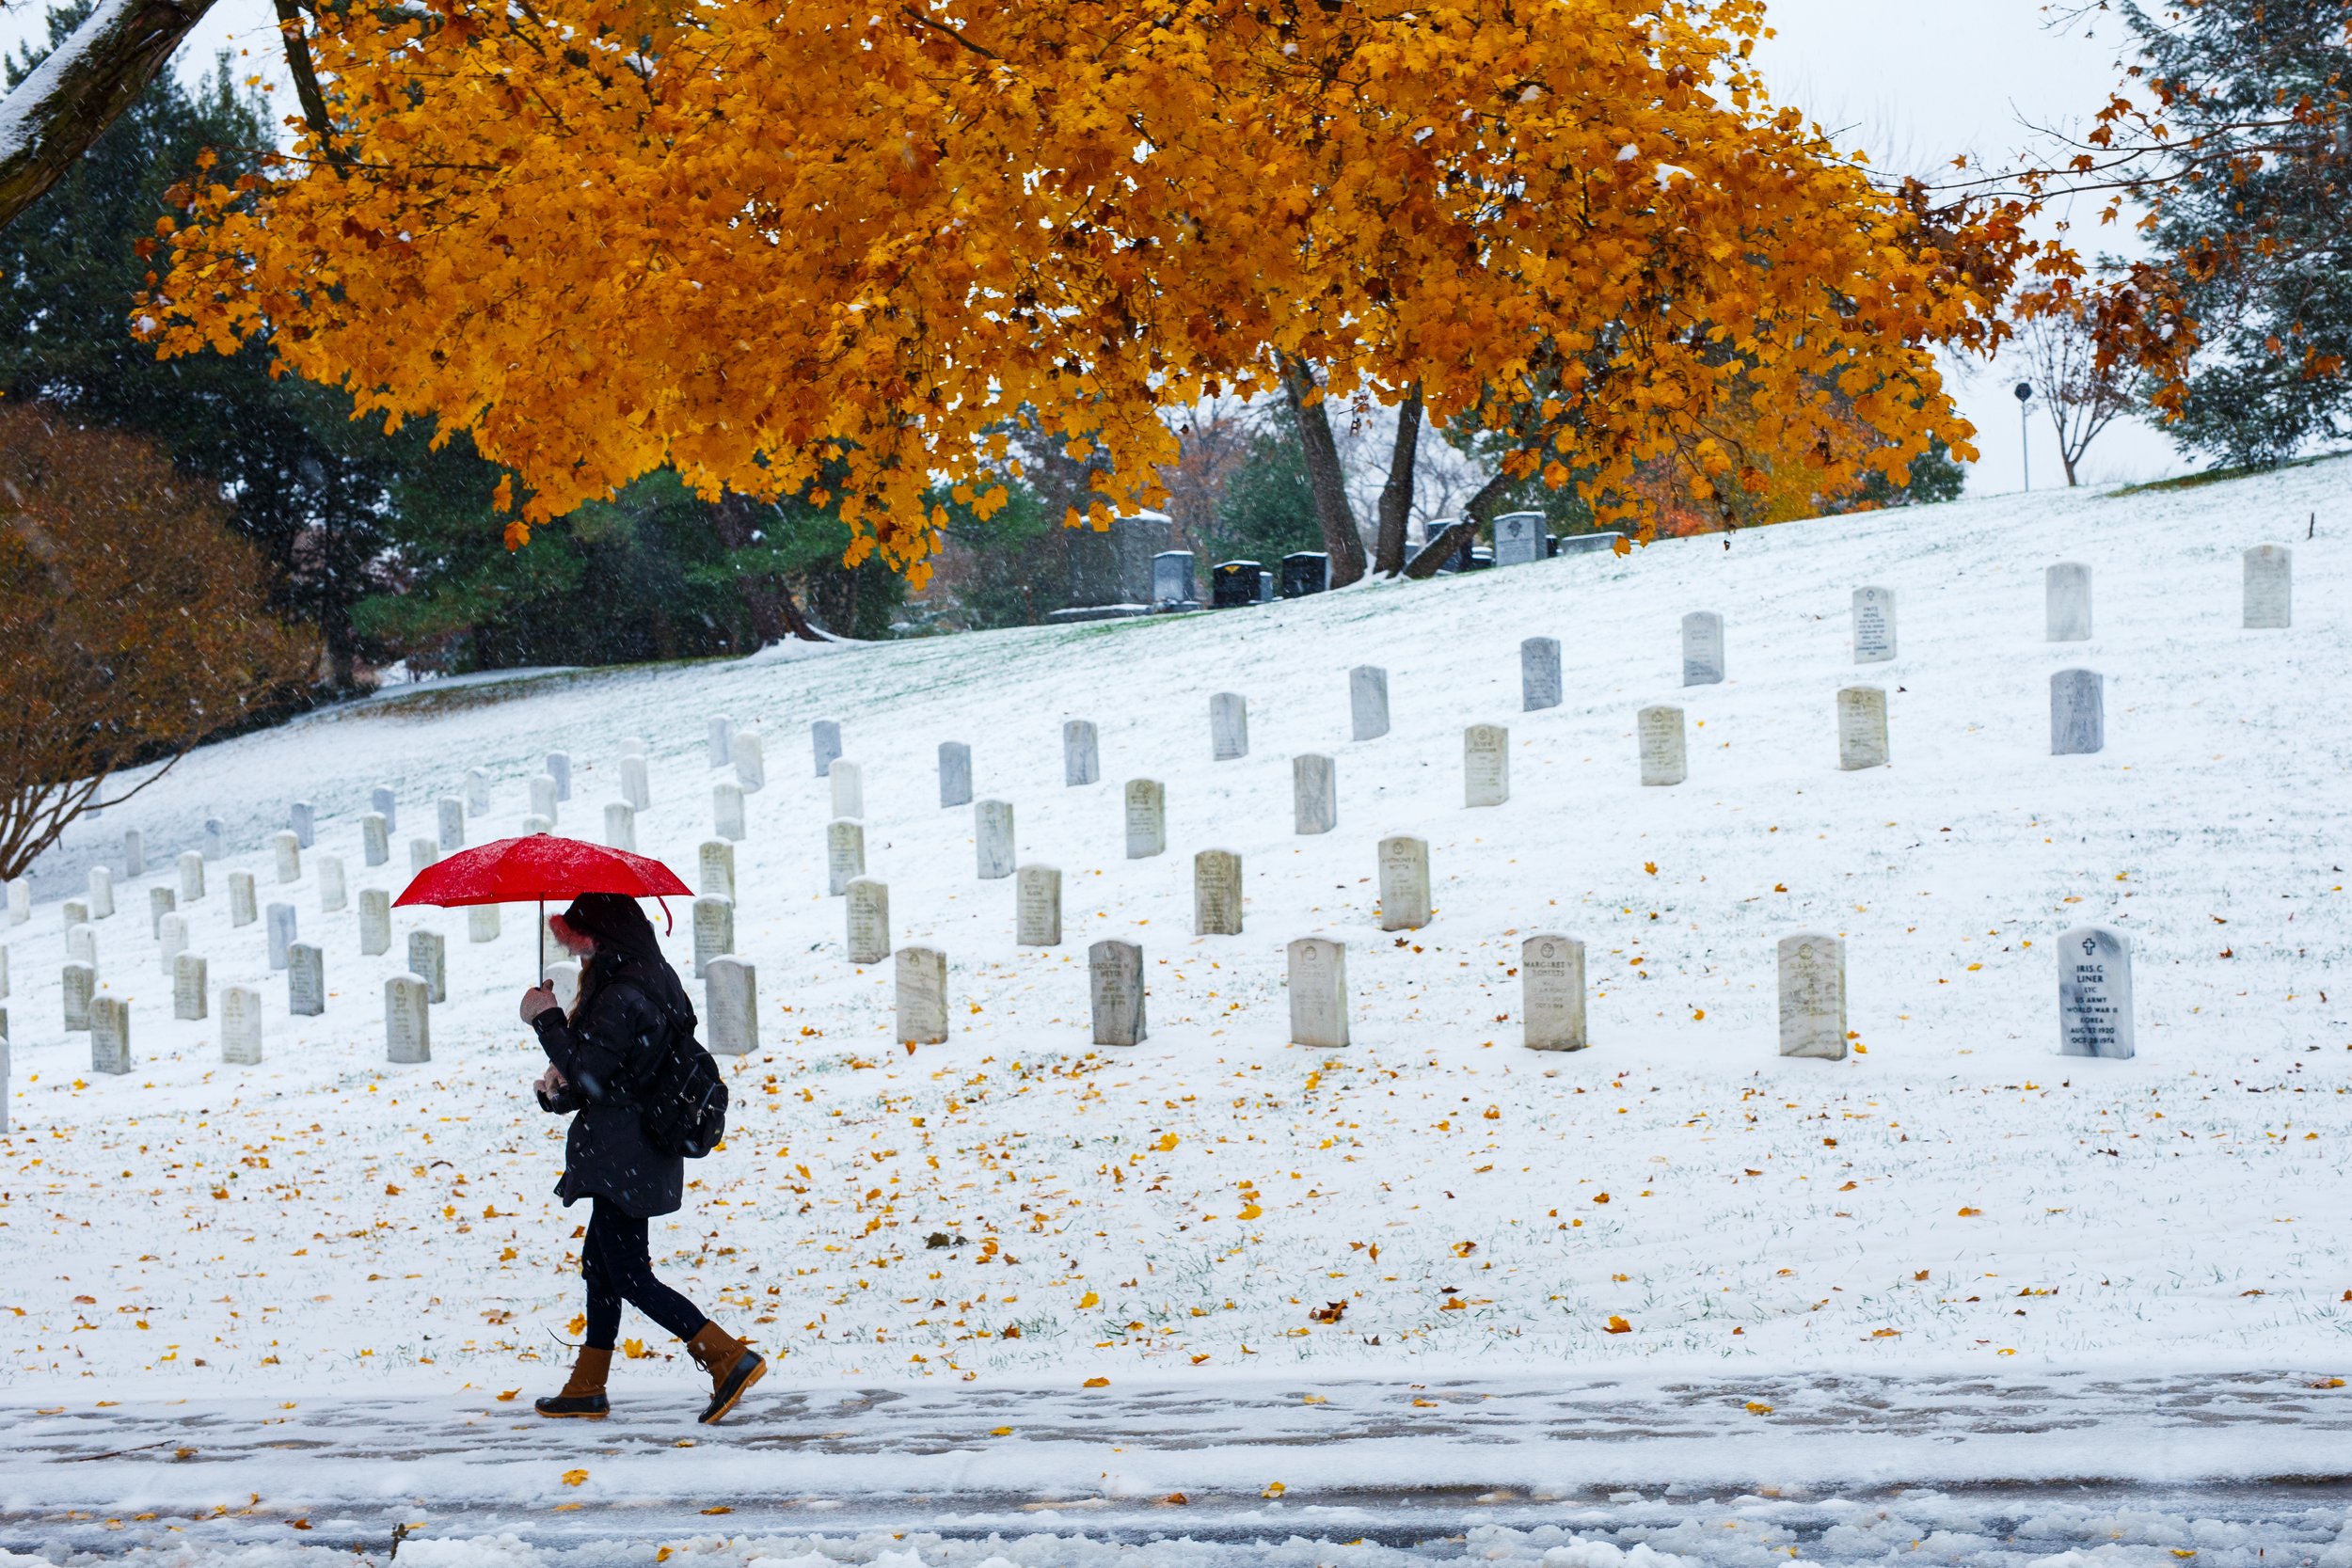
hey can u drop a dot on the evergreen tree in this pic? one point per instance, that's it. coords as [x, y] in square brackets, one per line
[2250, 181]
[303, 482]
[1267, 510]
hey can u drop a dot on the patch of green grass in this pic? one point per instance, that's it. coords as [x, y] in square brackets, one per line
[2217, 476]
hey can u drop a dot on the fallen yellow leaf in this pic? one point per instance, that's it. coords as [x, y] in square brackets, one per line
[573, 1477]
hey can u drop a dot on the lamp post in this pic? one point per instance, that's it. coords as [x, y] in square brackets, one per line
[2025, 445]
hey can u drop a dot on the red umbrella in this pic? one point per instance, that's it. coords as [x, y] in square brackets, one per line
[540, 867]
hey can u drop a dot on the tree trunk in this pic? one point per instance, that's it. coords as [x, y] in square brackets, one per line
[1397, 496]
[766, 599]
[1324, 477]
[51, 117]
[1433, 554]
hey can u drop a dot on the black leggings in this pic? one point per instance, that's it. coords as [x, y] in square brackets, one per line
[617, 1265]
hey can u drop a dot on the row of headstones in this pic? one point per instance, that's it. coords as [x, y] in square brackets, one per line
[2066, 593]
[2094, 995]
[2077, 704]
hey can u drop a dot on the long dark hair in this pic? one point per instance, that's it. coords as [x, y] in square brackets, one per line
[626, 949]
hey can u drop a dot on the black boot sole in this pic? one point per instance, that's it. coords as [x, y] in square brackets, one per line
[558, 1408]
[748, 1370]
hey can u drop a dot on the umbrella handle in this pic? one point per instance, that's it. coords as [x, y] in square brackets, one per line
[543, 941]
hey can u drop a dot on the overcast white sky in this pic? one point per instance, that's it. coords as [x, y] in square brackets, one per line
[1912, 82]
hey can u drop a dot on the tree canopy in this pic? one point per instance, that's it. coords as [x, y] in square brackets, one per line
[821, 252]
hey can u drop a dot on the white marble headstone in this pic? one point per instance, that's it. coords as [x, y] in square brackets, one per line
[992, 838]
[848, 788]
[241, 1025]
[334, 888]
[620, 827]
[1229, 726]
[477, 791]
[562, 978]
[1552, 992]
[1702, 648]
[1539, 674]
[636, 789]
[543, 803]
[75, 912]
[109, 1035]
[451, 812]
[922, 995]
[559, 768]
[716, 871]
[161, 901]
[751, 765]
[632, 745]
[302, 821]
[80, 986]
[1404, 883]
[726, 811]
[824, 743]
[134, 853]
[305, 980]
[375, 920]
[1860, 727]
[719, 740]
[278, 926]
[2066, 595]
[1657, 731]
[20, 900]
[1873, 625]
[171, 940]
[428, 959]
[1216, 893]
[242, 907]
[215, 838]
[1486, 765]
[955, 775]
[1036, 906]
[714, 930]
[408, 1020]
[868, 920]
[845, 855]
[731, 1005]
[1368, 702]
[2078, 715]
[2269, 588]
[190, 990]
[1081, 752]
[1318, 987]
[101, 892]
[1813, 996]
[2095, 994]
[382, 801]
[286, 854]
[1147, 818]
[482, 923]
[191, 877]
[1115, 992]
[376, 839]
[1314, 793]
[423, 853]
[81, 944]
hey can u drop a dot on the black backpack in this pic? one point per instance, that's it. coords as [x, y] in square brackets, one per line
[683, 1099]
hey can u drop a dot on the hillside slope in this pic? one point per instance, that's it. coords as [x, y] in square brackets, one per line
[1955, 1193]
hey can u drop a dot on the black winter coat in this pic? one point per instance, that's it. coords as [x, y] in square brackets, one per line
[604, 1059]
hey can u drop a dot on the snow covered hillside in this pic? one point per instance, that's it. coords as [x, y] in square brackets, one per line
[1955, 1196]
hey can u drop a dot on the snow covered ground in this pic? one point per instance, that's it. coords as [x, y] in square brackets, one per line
[1954, 1200]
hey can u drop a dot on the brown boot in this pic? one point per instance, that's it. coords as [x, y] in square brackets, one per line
[733, 1366]
[583, 1392]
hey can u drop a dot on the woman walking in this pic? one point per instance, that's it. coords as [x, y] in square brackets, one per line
[630, 1013]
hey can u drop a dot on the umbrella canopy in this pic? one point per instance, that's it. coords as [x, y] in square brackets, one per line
[516, 870]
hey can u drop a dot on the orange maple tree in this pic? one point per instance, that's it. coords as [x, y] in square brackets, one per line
[824, 249]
